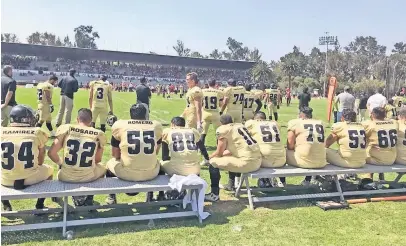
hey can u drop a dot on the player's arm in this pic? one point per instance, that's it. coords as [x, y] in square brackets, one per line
[291, 141]
[221, 147]
[110, 99]
[41, 156]
[158, 146]
[331, 139]
[48, 96]
[198, 106]
[56, 146]
[11, 89]
[226, 99]
[115, 148]
[165, 151]
[90, 96]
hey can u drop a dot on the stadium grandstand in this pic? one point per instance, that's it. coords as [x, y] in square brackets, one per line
[36, 62]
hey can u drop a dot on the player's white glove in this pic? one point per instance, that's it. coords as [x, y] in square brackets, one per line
[51, 108]
[199, 127]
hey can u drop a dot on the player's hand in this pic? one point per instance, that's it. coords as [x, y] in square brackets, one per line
[3, 106]
[199, 127]
[51, 108]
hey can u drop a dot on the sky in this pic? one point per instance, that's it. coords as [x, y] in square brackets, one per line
[272, 26]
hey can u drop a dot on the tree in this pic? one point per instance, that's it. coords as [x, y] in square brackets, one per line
[262, 72]
[9, 38]
[400, 48]
[85, 37]
[215, 54]
[180, 48]
[196, 54]
[58, 42]
[254, 55]
[67, 42]
[42, 38]
[236, 50]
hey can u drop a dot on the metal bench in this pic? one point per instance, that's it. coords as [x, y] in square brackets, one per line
[290, 171]
[54, 188]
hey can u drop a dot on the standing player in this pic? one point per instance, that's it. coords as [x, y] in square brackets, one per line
[211, 114]
[135, 146]
[82, 153]
[305, 143]
[391, 110]
[233, 101]
[267, 135]
[398, 101]
[351, 139]
[23, 153]
[194, 97]
[237, 152]
[272, 99]
[45, 106]
[181, 90]
[248, 104]
[401, 144]
[288, 96]
[99, 95]
[180, 147]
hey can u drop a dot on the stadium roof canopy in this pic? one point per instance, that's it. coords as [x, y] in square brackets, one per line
[54, 52]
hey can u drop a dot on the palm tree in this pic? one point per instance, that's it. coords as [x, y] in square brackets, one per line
[261, 72]
[290, 68]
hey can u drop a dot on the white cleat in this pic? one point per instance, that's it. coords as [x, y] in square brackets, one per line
[205, 163]
[211, 197]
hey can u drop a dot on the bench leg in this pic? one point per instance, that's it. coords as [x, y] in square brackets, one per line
[247, 184]
[65, 214]
[338, 186]
[237, 191]
[400, 175]
[197, 194]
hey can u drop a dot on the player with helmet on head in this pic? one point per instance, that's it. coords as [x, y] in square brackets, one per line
[45, 106]
[23, 153]
[272, 100]
[233, 101]
[135, 146]
[82, 153]
[248, 104]
[100, 94]
[194, 96]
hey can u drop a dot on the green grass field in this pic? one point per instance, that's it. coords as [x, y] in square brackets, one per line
[288, 223]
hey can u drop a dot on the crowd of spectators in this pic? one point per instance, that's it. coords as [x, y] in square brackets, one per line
[121, 70]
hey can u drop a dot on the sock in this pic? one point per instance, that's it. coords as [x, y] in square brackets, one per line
[40, 203]
[39, 124]
[270, 117]
[103, 127]
[282, 179]
[49, 126]
[6, 203]
[203, 138]
[215, 179]
[308, 178]
[276, 116]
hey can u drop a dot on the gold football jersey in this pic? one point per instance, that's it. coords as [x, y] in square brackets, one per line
[211, 99]
[401, 143]
[192, 95]
[259, 94]
[381, 140]
[182, 144]
[239, 141]
[391, 112]
[101, 93]
[41, 88]
[351, 141]
[80, 144]
[267, 135]
[273, 95]
[19, 151]
[310, 136]
[249, 102]
[235, 97]
[138, 142]
[397, 102]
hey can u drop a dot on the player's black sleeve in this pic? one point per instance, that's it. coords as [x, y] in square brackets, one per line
[259, 105]
[165, 152]
[202, 148]
[115, 142]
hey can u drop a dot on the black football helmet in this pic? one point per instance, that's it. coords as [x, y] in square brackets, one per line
[111, 119]
[23, 114]
[274, 86]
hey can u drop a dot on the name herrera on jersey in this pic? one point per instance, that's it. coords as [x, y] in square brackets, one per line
[83, 131]
[142, 122]
[19, 132]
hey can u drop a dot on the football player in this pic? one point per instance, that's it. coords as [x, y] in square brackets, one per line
[45, 106]
[351, 138]
[381, 138]
[272, 101]
[401, 143]
[100, 94]
[248, 104]
[135, 146]
[267, 135]
[211, 114]
[398, 100]
[237, 152]
[23, 153]
[233, 101]
[305, 144]
[180, 147]
[391, 110]
[82, 152]
[194, 97]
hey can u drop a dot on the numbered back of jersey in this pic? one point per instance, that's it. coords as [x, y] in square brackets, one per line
[313, 131]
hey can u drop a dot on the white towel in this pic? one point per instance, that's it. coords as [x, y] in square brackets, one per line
[177, 181]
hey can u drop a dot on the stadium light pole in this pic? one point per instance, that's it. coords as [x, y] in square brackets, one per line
[327, 40]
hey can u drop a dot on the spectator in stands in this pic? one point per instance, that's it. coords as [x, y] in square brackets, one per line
[69, 85]
[8, 94]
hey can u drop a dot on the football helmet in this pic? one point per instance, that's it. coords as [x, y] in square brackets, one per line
[111, 119]
[23, 114]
